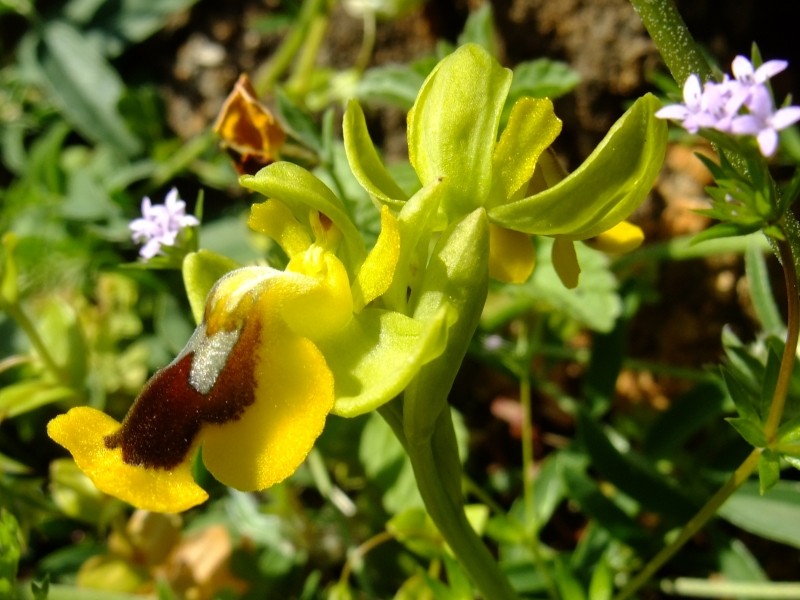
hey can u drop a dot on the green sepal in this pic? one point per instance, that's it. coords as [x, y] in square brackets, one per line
[457, 276]
[300, 190]
[201, 270]
[452, 127]
[605, 189]
[366, 165]
[375, 357]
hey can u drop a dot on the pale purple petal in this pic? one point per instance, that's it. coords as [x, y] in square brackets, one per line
[160, 224]
[692, 91]
[673, 111]
[769, 69]
[747, 125]
[742, 69]
[785, 117]
[150, 249]
[767, 141]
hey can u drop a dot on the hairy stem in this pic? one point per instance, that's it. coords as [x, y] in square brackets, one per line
[672, 38]
[694, 525]
[790, 349]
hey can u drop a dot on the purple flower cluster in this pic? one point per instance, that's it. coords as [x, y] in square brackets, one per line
[742, 105]
[160, 224]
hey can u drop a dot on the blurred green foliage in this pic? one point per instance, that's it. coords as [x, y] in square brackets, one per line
[81, 141]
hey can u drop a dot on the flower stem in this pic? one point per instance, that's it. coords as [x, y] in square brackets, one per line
[525, 349]
[449, 516]
[695, 524]
[786, 251]
[16, 312]
[789, 265]
[672, 38]
[268, 74]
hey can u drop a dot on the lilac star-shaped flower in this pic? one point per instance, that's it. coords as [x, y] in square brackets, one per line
[160, 224]
[763, 121]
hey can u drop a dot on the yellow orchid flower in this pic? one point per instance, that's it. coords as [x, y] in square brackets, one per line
[252, 388]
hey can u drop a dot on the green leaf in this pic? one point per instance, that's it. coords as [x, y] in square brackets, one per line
[298, 122]
[769, 470]
[9, 288]
[113, 26]
[377, 354]
[594, 302]
[453, 125]
[684, 418]
[630, 473]
[727, 229]
[24, 396]
[601, 585]
[85, 86]
[542, 78]
[751, 431]
[201, 270]
[9, 553]
[479, 29]
[415, 530]
[460, 586]
[605, 189]
[771, 373]
[596, 505]
[761, 292]
[774, 516]
[569, 588]
[387, 466]
[63, 336]
[395, 85]
[364, 161]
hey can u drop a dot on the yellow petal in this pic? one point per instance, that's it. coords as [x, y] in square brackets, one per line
[82, 431]
[565, 262]
[621, 238]
[511, 255]
[324, 305]
[274, 219]
[375, 275]
[294, 394]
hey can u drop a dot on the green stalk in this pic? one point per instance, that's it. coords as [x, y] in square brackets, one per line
[525, 349]
[427, 460]
[694, 525]
[266, 77]
[787, 259]
[448, 514]
[786, 249]
[672, 38]
[16, 312]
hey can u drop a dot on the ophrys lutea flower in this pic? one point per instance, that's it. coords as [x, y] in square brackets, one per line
[456, 145]
[276, 352]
